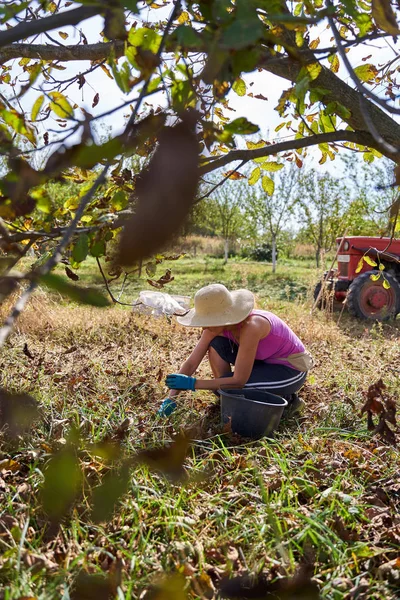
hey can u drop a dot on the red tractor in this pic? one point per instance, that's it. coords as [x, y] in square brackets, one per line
[367, 277]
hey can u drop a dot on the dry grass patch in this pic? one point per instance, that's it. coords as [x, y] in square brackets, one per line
[324, 492]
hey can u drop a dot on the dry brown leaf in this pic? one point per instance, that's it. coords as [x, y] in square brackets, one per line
[165, 192]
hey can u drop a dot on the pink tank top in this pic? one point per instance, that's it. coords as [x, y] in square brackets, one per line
[279, 343]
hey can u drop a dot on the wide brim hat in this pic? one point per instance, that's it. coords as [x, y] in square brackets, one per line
[215, 305]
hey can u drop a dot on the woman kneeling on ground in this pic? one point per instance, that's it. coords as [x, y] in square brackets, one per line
[266, 353]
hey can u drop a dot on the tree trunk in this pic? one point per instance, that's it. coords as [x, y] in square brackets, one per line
[226, 251]
[318, 256]
[273, 253]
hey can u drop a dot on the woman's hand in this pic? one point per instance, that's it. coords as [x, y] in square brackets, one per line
[177, 381]
[167, 407]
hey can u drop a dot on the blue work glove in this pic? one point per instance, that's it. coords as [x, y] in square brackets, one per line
[167, 407]
[177, 381]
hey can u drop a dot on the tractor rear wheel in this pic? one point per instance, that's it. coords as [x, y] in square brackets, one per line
[368, 299]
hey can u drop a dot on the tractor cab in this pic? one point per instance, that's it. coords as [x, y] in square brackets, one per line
[367, 277]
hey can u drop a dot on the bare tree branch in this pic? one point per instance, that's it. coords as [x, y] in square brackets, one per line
[77, 52]
[28, 28]
[357, 137]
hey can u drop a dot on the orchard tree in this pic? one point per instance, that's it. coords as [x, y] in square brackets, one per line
[322, 204]
[193, 54]
[272, 202]
[374, 197]
[223, 213]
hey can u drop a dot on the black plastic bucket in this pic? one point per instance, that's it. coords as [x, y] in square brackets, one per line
[252, 413]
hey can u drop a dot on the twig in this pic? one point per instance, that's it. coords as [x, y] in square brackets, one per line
[113, 298]
[53, 260]
[220, 182]
[362, 90]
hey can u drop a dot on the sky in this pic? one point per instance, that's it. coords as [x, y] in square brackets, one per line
[257, 111]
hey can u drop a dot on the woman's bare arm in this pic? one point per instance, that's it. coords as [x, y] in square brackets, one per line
[249, 338]
[192, 362]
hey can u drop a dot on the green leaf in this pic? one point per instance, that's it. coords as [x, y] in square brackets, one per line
[327, 122]
[119, 200]
[317, 94]
[182, 95]
[146, 38]
[88, 156]
[108, 493]
[37, 105]
[339, 109]
[255, 176]
[364, 23]
[43, 202]
[98, 248]
[81, 248]
[268, 185]
[188, 37]
[366, 73]
[77, 294]
[246, 29]
[60, 105]
[121, 76]
[368, 157]
[17, 122]
[62, 480]
[239, 87]
[272, 166]
[241, 126]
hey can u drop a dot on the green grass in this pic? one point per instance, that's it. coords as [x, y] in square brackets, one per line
[324, 491]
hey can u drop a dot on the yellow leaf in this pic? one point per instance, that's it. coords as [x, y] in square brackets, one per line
[63, 35]
[255, 176]
[314, 69]
[254, 145]
[384, 16]
[360, 265]
[184, 17]
[239, 87]
[381, 267]
[36, 107]
[334, 60]
[375, 276]
[366, 73]
[386, 284]
[268, 185]
[315, 43]
[60, 105]
[370, 261]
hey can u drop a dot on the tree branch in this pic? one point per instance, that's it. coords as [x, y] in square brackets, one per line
[357, 137]
[99, 51]
[26, 29]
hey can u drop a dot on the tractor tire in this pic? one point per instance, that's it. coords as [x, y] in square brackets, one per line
[368, 299]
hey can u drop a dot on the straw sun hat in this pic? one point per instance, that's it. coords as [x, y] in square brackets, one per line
[214, 305]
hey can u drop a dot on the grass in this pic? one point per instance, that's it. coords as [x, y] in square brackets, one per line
[323, 493]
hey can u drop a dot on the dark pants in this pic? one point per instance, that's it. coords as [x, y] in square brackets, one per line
[277, 379]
